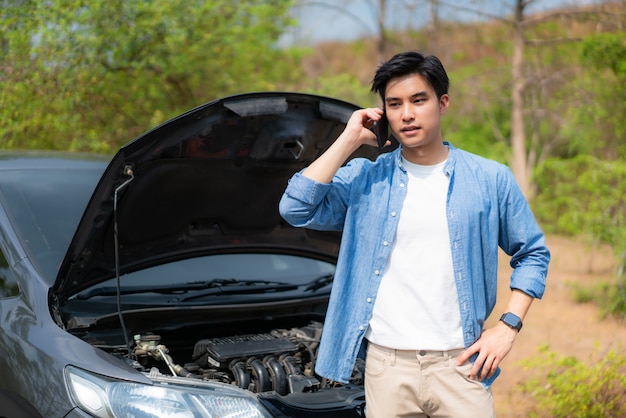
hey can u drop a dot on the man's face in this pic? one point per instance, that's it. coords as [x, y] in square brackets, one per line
[414, 112]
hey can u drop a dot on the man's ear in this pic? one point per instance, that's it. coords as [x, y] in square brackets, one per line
[444, 101]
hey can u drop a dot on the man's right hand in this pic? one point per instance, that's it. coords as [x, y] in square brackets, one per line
[357, 132]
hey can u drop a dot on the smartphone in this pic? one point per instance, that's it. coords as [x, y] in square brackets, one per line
[381, 130]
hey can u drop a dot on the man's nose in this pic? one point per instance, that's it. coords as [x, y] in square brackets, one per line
[407, 112]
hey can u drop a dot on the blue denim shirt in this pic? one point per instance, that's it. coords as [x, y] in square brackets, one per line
[485, 210]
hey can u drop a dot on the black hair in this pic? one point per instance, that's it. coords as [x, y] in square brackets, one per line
[411, 62]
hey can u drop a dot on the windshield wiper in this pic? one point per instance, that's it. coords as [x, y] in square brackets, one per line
[319, 282]
[241, 286]
[209, 287]
[264, 286]
[171, 288]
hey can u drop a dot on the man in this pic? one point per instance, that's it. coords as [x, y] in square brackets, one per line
[416, 276]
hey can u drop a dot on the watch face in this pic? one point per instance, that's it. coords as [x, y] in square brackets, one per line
[512, 320]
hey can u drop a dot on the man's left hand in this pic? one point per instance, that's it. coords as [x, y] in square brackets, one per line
[492, 346]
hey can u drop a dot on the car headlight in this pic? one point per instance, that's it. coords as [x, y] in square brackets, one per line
[109, 398]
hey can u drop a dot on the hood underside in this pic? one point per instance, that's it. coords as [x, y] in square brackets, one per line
[206, 182]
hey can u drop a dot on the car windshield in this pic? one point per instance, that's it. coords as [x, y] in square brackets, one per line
[45, 206]
[210, 274]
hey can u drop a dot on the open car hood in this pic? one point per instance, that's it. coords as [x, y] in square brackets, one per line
[205, 182]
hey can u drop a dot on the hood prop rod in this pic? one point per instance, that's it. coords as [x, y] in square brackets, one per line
[129, 172]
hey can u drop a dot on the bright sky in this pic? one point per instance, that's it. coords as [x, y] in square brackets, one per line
[322, 20]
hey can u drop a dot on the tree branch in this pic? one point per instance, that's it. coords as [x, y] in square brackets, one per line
[544, 17]
[476, 12]
[542, 42]
[338, 8]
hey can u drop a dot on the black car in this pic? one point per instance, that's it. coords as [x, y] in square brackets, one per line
[163, 282]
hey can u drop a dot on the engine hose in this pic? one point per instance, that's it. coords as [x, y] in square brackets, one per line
[290, 364]
[181, 371]
[277, 375]
[242, 377]
[260, 374]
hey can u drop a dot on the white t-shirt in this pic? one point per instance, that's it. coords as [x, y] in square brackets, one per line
[417, 304]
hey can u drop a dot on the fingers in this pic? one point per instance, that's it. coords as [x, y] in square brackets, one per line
[360, 124]
[465, 356]
[483, 368]
[485, 365]
[489, 369]
[490, 349]
[369, 116]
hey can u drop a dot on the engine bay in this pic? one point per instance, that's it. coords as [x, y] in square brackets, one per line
[269, 349]
[280, 361]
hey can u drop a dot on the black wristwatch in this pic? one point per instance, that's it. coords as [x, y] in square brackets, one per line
[512, 320]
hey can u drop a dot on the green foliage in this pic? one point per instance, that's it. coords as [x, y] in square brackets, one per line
[609, 297]
[596, 124]
[607, 50]
[583, 195]
[473, 122]
[346, 87]
[91, 76]
[587, 196]
[475, 137]
[570, 388]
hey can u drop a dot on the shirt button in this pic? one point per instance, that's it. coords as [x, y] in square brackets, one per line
[402, 185]
[369, 300]
[361, 328]
[422, 353]
[393, 213]
[377, 272]
[385, 243]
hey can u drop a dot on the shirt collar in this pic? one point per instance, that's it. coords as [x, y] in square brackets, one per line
[447, 169]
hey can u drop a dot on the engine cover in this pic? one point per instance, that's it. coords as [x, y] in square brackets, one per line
[219, 352]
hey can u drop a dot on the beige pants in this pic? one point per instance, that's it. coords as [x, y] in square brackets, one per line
[414, 383]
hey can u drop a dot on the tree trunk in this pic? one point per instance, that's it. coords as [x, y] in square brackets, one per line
[433, 25]
[518, 132]
[382, 39]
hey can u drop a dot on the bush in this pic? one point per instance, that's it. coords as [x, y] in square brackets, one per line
[587, 196]
[577, 389]
[609, 297]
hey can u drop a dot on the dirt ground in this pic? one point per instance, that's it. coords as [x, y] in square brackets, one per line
[566, 327]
